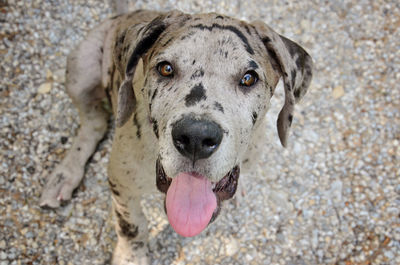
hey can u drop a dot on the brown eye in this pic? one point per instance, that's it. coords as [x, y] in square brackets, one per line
[249, 79]
[165, 69]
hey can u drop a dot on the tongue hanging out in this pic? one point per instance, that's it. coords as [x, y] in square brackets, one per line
[190, 204]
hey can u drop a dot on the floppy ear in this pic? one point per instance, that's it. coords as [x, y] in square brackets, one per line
[131, 45]
[294, 64]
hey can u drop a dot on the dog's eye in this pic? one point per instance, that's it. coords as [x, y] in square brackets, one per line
[249, 79]
[165, 69]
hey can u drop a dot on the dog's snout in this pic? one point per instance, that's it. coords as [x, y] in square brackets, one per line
[196, 139]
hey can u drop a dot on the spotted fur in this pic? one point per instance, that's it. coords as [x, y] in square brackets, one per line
[210, 54]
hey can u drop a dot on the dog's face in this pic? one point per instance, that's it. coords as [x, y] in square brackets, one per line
[206, 76]
[208, 83]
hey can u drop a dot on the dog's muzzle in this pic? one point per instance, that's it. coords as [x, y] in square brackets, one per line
[192, 201]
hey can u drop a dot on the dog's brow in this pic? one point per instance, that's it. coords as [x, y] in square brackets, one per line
[233, 29]
[253, 65]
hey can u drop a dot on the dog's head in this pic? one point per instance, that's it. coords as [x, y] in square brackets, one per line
[208, 83]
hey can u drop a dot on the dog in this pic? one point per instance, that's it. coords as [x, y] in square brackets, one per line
[189, 94]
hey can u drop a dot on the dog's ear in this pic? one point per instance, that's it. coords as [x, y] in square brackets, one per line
[131, 45]
[294, 64]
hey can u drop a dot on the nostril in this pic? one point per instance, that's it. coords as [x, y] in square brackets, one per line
[182, 141]
[209, 143]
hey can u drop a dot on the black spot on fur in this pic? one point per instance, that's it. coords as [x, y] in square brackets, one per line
[196, 94]
[101, 49]
[254, 117]
[111, 72]
[128, 230]
[290, 119]
[253, 65]
[297, 93]
[115, 192]
[155, 127]
[198, 73]
[190, 34]
[219, 17]
[294, 73]
[137, 124]
[295, 50]
[121, 37]
[167, 42]
[218, 106]
[272, 54]
[137, 245]
[152, 98]
[247, 29]
[266, 40]
[154, 95]
[183, 21]
[151, 53]
[308, 69]
[59, 178]
[78, 149]
[111, 184]
[194, 61]
[233, 29]
[292, 47]
[113, 188]
[301, 61]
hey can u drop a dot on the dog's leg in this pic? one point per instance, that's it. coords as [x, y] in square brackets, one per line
[84, 87]
[131, 224]
[131, 227]
[131, 174]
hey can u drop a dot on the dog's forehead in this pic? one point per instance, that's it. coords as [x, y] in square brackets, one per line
[210, 36]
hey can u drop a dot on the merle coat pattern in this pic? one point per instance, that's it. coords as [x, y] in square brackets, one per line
[164, 73]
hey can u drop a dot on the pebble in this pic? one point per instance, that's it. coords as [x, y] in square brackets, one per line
[232, 247]
[338, 92]
[44, 88]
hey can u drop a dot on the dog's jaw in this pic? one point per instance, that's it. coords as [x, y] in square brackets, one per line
[224, 189]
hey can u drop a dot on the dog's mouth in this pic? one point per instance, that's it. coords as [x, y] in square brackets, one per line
[192, 201]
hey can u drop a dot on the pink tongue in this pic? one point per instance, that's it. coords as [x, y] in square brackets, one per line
[190, 204]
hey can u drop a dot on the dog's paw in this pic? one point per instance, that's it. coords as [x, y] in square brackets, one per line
[132, 261]
[131, 253]
[59, 187]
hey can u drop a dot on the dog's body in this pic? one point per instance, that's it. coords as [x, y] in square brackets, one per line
[189, 93]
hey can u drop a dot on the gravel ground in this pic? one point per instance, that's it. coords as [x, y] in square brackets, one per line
[331, 197]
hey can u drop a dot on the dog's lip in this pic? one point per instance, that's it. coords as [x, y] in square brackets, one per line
[224, 189]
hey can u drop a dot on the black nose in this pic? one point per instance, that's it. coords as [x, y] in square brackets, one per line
[196, 139]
